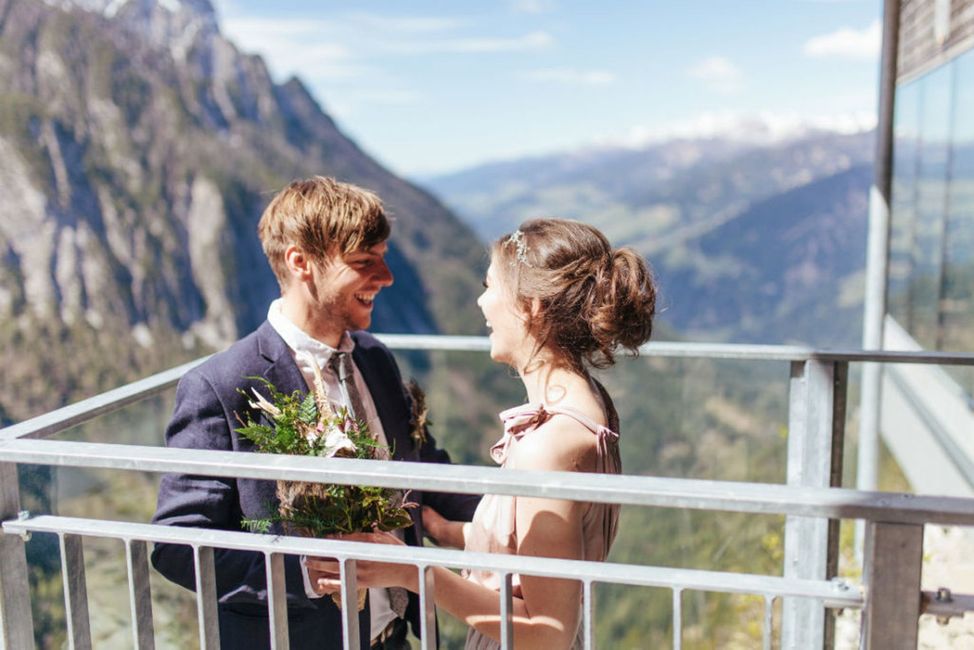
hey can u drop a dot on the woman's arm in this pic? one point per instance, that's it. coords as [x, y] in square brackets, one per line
[546, 616]
[545, 626]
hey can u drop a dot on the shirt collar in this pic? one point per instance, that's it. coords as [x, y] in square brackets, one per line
[299, 341]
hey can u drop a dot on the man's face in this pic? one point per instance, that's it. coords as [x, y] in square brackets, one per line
[346, 286]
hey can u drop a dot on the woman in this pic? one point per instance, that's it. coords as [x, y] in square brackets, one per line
[558, 300]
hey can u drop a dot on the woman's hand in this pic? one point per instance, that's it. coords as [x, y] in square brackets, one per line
[325, 573]
[441, 530]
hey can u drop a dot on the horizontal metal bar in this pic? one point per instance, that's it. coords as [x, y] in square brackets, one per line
[89, 409]
[728, 496]
[833, 593]
[435, 342]
[702, 350]
[946, 604]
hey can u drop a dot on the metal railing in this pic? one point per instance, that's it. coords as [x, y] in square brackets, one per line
[889, 594]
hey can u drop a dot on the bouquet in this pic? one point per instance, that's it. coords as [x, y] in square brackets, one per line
[306, 425]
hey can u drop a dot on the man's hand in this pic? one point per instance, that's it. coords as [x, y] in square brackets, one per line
[325, 573]
[443, 531]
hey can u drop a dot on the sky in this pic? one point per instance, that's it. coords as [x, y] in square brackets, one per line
[431, 87]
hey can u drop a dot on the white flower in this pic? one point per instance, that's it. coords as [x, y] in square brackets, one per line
[336, 441]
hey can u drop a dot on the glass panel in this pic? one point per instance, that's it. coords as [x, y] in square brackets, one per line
[903, 202]
[924, 288]
[957, 306]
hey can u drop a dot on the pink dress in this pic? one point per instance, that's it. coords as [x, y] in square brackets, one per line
[493, 529]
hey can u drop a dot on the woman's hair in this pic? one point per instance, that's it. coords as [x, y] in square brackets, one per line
[320, 215]
[592, 298]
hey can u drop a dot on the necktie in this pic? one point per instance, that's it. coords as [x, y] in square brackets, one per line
[341, 364]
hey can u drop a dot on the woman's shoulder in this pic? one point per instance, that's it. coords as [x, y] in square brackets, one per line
[560, 443]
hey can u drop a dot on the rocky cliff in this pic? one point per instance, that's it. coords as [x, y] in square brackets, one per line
[138, 147]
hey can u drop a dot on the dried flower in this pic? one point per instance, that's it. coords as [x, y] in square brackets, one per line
[419, 418]
[262, 404]
[306, 425]
[336, 441]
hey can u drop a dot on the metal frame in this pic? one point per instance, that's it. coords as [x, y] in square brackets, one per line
[810, 502]
[832, 593]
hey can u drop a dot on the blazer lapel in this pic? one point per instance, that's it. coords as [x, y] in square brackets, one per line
[394, 425]
[283, 371]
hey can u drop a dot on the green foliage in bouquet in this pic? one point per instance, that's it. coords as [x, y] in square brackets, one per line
[306, 425]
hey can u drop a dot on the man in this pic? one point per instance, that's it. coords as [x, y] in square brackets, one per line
[326, 243]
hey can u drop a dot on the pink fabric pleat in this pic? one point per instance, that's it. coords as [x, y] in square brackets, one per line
[493, 529]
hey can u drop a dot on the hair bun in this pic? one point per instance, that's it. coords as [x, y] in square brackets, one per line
[593, 298]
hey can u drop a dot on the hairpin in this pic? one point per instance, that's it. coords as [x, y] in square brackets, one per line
[517, 238]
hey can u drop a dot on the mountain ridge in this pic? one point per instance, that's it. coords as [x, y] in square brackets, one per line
[669, 199]
[135, 178]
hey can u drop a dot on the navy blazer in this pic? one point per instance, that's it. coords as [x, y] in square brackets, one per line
[205, 417]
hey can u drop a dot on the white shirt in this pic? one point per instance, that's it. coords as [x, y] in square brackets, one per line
[307, 350]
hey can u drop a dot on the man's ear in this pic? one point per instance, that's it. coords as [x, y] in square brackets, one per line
[298, 263]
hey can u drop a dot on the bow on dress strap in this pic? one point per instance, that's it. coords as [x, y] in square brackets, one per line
[517, 422]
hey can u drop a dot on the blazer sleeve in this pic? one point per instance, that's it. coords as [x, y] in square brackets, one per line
[456, 507]
[200, 421]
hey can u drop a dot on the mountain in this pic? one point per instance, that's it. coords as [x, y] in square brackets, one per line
[752, 241]
[138, 147]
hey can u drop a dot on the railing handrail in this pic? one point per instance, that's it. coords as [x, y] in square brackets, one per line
[52, 422]
[92, 407]
[818, 384]
[727, 496]
[739, 351]
[834, 593]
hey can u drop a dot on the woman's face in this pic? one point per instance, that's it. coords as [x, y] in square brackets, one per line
[506, 322]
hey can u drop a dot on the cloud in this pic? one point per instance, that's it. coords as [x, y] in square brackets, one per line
[334, 46]
[755, 128]
[404, 24]
[719, 74]
[570, 76]
[353, 100]
[532, 6]
[295, 46]
[475, 45]
[847, 43]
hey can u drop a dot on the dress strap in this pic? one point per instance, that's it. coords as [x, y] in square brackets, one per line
[517, 422]
[520, 420]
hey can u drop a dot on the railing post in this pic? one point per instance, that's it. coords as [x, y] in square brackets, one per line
[816, 419]
[427, 607]
[206, 612]
[15, 617]
[277, 601]
[140, 594]
[893, 559]
[75, 592]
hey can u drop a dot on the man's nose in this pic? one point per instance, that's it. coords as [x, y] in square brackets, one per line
[383, 275]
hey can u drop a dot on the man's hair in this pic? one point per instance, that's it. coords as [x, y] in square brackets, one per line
[321, 216]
